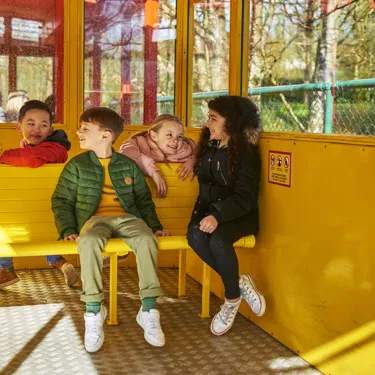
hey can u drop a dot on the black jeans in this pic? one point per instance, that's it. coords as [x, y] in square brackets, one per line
[217, 249]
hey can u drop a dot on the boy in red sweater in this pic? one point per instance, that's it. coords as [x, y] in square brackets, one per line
[40, 145]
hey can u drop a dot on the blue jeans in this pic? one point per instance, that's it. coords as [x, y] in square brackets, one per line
[7, 263]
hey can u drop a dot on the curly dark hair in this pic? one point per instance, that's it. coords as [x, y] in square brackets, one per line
[242, 126]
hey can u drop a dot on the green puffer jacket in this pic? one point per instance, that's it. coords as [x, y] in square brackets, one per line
[79, 190]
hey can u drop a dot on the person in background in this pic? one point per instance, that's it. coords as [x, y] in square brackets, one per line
[16, 99]
[2, 112]
[51, 102]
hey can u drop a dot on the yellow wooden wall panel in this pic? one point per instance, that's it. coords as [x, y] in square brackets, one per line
[173, 223]
[36, 228]
[16, 195]
[175, 202]
[25, 206]
[48, 171]
[174, 192]
[314, 258]
[174, 213]
[27, 183]
[26, 217]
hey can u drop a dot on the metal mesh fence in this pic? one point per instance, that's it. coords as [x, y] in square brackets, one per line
[297, 111]
[354, 111]
[348, 107]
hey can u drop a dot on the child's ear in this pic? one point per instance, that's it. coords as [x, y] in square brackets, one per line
[107, 134]
[19, 127]
[153, 135]
[51, 130]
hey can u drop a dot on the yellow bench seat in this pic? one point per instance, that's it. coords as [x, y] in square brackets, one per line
[27, 224]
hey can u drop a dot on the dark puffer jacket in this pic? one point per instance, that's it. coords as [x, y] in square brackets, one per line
[228, 197]
[79, 190]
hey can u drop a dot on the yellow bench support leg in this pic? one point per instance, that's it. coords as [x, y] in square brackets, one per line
[182, 273]
[113, 291]
[205, 313]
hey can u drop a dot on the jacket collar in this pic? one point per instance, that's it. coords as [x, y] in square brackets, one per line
[95, 159]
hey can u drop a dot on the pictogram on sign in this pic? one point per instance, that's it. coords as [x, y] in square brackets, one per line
[280, 168]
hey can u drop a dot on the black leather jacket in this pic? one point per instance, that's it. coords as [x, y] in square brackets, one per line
[228, 197]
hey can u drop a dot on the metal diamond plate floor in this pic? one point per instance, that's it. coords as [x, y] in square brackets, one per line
[41, 332]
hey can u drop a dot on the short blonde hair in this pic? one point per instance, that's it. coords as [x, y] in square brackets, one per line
[158, 123]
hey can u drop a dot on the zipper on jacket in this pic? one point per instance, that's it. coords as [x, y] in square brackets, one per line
[115, 190]
[221, 172]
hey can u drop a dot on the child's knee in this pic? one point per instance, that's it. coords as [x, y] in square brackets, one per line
[196, 237]
[90, 241]
[148, 240]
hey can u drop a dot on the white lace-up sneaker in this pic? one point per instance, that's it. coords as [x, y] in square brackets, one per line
[252, 296]
[224, 319]
[94, 334]
[150, 322]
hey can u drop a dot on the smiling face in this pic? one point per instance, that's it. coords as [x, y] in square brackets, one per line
[215, 125]
[168, 137]
[92, 137]
[35, 126]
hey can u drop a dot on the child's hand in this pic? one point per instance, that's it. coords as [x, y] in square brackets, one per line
[185, 169]
[72, 237]
[208, 224]
[161, 233]
[161, 186]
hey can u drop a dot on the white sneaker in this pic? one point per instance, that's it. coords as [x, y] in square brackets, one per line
[252, 296]
[94, 334]
[224, 319]
[150, 322]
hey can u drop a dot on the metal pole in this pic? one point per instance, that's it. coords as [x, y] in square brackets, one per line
[329, 109]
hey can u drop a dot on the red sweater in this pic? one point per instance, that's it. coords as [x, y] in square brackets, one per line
[35, 156]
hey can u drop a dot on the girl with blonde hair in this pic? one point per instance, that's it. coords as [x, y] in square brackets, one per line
[163, 142]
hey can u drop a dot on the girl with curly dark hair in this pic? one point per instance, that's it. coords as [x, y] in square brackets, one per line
[228, 170]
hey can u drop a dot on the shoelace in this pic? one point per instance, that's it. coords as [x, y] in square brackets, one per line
[250, 294]
[93, 328]
[153, 324]
[252, 297]
[226, 312]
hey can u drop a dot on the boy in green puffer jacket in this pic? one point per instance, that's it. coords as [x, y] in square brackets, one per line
[103, 194]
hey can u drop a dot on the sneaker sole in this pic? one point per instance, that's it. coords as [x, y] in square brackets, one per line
[103, 320]
[70, 274]
[119, 261]
[263, 301]
[153, 343]
[8, 283]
